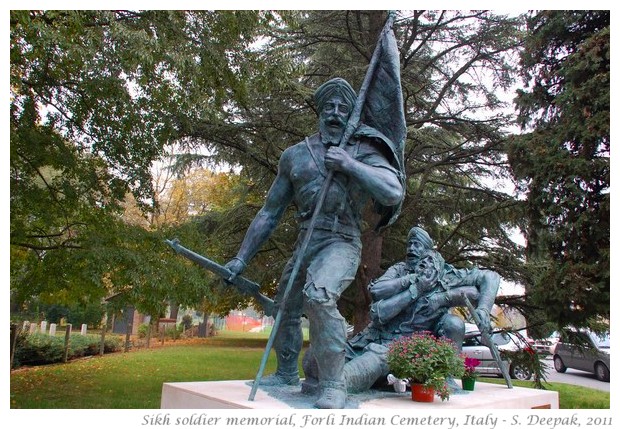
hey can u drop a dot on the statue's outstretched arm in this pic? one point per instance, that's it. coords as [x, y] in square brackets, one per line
[278, 199]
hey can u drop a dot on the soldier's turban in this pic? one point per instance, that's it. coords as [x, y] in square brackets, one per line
[421, 235]
[336, 86]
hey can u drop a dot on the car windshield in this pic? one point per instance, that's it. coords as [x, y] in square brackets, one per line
[602, 341]
[501, 338]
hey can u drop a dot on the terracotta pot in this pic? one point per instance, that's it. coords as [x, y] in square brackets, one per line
[419, 393]
[468, 383]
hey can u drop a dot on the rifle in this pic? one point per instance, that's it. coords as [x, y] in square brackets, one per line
[486, 336]
[242, 284]
[350, 128]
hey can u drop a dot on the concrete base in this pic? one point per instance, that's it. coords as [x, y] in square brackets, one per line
[234, 394]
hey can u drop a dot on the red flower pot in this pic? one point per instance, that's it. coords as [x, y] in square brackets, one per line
[419, 393]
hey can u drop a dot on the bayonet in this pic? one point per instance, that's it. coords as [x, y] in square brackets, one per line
[242, 284]
[486, 336]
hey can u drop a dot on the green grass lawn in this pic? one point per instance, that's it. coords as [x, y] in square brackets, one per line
[571, 396]
[134, 380]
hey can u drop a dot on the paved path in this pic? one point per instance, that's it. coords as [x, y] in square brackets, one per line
[576, 377]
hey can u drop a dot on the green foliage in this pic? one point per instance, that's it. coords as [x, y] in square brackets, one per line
[88, 313]
[121, 82]
[90, 345]
[143, 330]
[187, 322]
[37, 349]
[422, 358]
[96, 96]
[174, 332]
[531, 360]
[562, 164]
[134, 380]
[42, 349]
[117, 259]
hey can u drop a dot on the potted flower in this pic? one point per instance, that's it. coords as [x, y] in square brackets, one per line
[469, 375]
[426, 361]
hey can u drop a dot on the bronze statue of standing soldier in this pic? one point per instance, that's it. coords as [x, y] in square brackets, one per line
[367, 167]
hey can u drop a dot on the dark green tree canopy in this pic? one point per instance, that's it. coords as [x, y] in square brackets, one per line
[562, 163]
[98, 96]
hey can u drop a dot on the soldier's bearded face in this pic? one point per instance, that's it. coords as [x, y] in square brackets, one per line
[425, 269]
[415, 248]
[333, 119]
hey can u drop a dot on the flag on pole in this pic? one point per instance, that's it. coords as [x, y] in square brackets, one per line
[384, 116]
[384, 83]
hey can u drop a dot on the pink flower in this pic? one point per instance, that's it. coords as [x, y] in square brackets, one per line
[471, 363]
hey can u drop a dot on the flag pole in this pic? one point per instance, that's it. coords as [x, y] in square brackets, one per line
[352, 125]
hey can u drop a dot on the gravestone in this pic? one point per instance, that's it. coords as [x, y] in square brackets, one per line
[84, 329]
[33, 328]
[52, 329]
[44, 326]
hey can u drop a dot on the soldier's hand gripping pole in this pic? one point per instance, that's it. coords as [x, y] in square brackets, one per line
[488, 340]
[352, 125]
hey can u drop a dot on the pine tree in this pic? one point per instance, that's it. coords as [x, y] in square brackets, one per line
[562, 165]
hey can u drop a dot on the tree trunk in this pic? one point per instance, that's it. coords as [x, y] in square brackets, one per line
[174, 309]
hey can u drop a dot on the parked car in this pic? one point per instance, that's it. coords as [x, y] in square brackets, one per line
[585, 351]
[508, 341]
[546, 346]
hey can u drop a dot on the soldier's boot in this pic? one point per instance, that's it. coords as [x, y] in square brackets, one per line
[333, 395]
[287, 346]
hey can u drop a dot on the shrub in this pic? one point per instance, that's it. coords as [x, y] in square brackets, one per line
[187, 321]
[531, 360]
[38, 349]
[174, 332]
[143, 330]
[41, 349]
[112, 344]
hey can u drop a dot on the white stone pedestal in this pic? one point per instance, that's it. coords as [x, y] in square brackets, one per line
[234, 394]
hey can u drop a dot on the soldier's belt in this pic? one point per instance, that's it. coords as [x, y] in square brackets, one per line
[333, 225]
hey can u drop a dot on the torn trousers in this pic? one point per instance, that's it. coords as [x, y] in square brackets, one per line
[327, 269]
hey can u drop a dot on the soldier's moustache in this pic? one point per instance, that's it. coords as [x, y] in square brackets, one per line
[335, 121]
